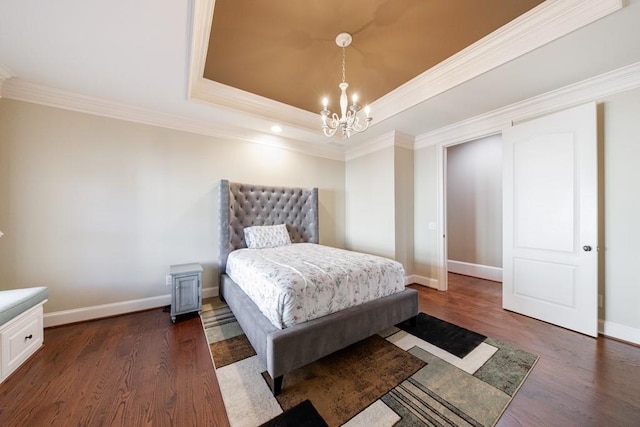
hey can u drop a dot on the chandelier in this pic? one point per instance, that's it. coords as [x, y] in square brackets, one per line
[349, 121]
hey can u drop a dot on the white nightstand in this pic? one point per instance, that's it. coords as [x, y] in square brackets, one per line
[186, 289]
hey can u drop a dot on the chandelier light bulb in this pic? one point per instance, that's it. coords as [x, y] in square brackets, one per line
[349, 121]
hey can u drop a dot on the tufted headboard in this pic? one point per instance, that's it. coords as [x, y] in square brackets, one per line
[244, 205]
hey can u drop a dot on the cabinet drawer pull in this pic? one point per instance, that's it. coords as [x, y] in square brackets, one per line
[28, 337]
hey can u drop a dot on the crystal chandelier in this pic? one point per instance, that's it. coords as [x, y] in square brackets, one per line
[349, 121]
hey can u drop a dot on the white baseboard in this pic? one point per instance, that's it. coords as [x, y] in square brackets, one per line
[620, 332]
[210, 292]
[475, 270]
[421, 280]
[64, 317]
[609, 329]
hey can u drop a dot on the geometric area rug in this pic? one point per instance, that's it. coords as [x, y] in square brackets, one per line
[433, 373]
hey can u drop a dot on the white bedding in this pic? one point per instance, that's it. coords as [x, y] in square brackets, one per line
[303, 281]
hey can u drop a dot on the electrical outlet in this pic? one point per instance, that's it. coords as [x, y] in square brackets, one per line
[600, 300]
[167, 280]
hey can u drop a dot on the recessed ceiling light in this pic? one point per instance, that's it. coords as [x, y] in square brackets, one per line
[276, 129]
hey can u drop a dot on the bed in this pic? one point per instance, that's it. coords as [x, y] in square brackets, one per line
[283, 349]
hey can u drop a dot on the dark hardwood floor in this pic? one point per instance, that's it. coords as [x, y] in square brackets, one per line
[578, 380]
[140, 369]
[132, 370]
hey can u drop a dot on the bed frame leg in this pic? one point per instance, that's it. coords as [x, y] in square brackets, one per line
[277, 385]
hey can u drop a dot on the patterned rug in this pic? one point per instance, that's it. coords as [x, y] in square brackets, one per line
[433, 373]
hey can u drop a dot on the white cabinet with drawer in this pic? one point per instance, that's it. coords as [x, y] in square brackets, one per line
[20, 338]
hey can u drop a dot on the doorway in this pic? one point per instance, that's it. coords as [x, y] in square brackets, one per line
[473, 191]
[550, 222]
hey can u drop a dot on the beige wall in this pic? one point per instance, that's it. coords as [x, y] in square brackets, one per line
[621, 210]
[403, 169]
[474, 202]
[370, 203]
[97, 209]
[379, 188]
[426, 239]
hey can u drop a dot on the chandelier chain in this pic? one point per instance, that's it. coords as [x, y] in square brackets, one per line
[344, 67]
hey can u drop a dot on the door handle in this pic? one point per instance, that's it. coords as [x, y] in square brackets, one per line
[586, 248]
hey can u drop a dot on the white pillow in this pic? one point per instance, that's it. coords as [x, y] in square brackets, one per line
[266, 236]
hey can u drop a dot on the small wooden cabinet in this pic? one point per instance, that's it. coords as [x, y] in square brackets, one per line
[186, 289]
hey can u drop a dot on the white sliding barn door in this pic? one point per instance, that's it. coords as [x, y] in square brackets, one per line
[550, 216]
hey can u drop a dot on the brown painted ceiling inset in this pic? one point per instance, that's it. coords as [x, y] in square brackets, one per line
[285, 50]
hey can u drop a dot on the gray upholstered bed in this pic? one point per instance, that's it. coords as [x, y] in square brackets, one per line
[283, 350]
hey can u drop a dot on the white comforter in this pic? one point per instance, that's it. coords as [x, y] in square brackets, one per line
[303, 281]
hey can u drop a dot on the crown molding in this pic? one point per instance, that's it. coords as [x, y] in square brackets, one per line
[593, 89]
[404, 140]
[201, 89]
[379, 143]
[541, 25]
[201, 20]
[211, 92]
[550, 20]
[5, 74]
[389, 139]
[589, 90]
[21, 90]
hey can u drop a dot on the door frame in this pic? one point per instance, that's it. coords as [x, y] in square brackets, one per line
[441, 202]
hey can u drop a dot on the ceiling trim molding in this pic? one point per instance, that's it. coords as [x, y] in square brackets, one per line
[389, 139]
[21, 90]
[211, 92]
[379, 143]
[201, 89]
[200, 28]
[588, 90]
[5, 74]
[541, 25]
[404, 141]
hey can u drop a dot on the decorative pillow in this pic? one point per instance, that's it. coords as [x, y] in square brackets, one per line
[266, 236]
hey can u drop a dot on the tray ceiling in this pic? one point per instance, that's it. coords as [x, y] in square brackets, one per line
[285, 50]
